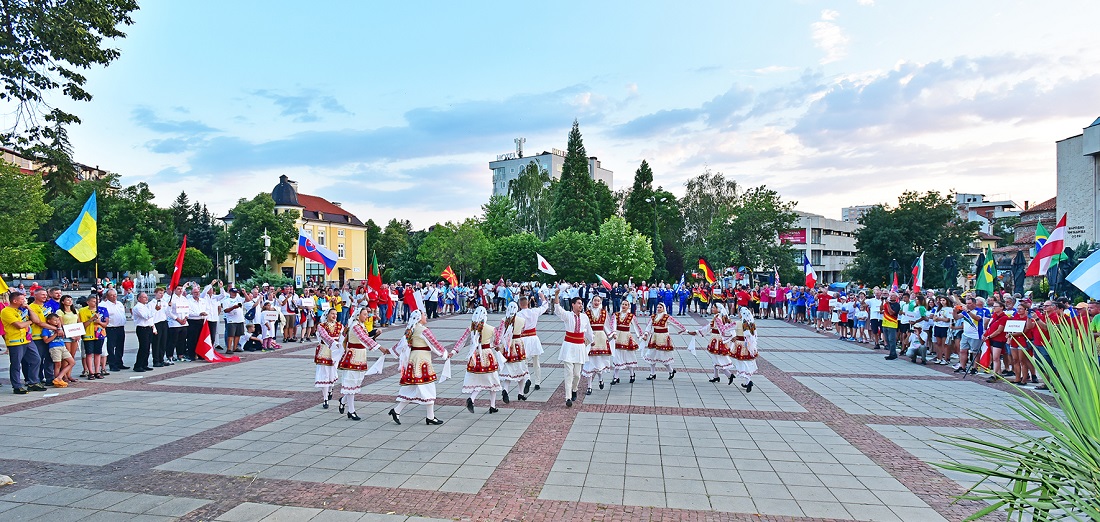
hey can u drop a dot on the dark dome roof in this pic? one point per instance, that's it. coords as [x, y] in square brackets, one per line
[284, 194]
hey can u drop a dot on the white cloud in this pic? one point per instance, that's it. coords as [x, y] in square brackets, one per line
[829, 37]
[867, 3]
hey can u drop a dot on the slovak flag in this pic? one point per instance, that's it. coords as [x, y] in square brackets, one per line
[310, 250]
[811, 276]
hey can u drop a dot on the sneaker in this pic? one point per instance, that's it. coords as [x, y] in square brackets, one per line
[957, 366]
[36, 387]
[19, 391]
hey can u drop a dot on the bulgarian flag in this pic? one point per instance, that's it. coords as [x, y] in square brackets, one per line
[918, 273]
[604, 282]
[1052, 251]
[707, 272]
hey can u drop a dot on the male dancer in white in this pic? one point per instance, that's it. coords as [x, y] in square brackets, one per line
[574, 349]
[526, 321]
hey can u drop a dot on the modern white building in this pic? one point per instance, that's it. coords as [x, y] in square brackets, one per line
[1079, 185]
[976, 208]
[509, 166]
[852, 214]
[830, 244]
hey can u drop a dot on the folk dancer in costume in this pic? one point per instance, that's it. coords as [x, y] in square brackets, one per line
[354, 362]
[721, 331]
[626, 330]
[526, 320]
[745, 348]
[331, 334]
[599, 351]
[513, 353]
[574, 349]
[481, 364]
[418, 377]
[659, 350]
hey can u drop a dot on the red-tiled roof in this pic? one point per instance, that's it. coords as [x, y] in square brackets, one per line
[1046, 206]
[988, 237]
[316, 206]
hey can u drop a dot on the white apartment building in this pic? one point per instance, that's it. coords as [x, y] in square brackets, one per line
[510, 165]
[830, 244]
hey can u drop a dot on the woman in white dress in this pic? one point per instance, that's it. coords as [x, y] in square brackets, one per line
[354, 362]
[721, 331]
[599, 352]
[481, 364]
[513, 352]
[331, 334]
[659, 350]
[418, 377]
[625, 356]
[744, 349]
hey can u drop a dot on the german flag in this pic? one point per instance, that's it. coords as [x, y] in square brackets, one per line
[449, 275]
[707, 272]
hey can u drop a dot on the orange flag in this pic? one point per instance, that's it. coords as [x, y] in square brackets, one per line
[449, 275]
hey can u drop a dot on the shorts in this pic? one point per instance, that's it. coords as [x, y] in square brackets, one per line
[999, 344]
[822, 315]
[763, 305]
[940, 332]
[876, 326]
[234, 329]
[291, 319]
[93, 347]
[861, 323]
[800, 309]
[59, 354]
[903, 328]
[971, 344]
[850, 323]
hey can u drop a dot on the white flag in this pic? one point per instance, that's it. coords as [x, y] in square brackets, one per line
[544, 267]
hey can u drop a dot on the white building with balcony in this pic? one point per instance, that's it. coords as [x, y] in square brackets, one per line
[830, 244]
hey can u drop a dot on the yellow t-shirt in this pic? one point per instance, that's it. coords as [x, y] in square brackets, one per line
[40, 311]
[337, 303]
[369, 324]
[87, 314]
[13, 336]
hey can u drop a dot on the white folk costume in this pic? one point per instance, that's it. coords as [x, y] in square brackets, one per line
[659, 350]
[526, 321]
[721, 331]
[325, 358]
[418, 376]
[481, 363]
[625, 326]
[599, 351]
[745, 349]
[574, 349]
[513, 352]
[354, 365]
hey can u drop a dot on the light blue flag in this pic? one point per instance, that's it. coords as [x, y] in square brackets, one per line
[1087, 276]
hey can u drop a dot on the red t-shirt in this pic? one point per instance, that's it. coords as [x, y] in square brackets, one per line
[410, 298]
[998, 320]
[128, 285]
[743, 298]
[823, 302]
[780, 295]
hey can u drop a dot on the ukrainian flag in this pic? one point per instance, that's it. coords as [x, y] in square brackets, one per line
[80, 238]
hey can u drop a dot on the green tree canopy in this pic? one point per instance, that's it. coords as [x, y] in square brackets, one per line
[574, 207]
[921, 222]
[571, 254]
[463, 247]
[513, 258]
[22, 211]
[531, 195]
[620, 253]
[132, 257]
[195, 264]
[244, 240]
[704, 198]
[499, 218]
[393, 242]
[638, 209]
[747, 233]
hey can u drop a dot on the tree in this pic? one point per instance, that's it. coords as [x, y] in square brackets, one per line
[393, 242]
[133, 257]
[620, 253]
[573, 206]
[203, 233]
[1005, 228]
[531, 195]
[499, 218]
[747, 233]
[181, 214]
[195, 264]
[244, 240]
[43, 47]
[374, 233]
[463, 247]
[22, 212]
[570, 253]
[704, 197]
[513, 258]
[638, 208]
[921, 222]
[605, 200]
[404, 265]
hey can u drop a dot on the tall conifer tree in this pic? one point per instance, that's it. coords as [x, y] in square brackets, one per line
[574, 207]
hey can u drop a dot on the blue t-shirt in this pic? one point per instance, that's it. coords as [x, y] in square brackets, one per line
[57, 342]
[984, 313]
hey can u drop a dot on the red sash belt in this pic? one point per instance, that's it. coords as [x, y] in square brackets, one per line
[420, 348]
[574, 337]
[356, 345]
[658, 329]
[485, 346]
[715, 331]
[740, 337]
[623, 328]
[527, 333]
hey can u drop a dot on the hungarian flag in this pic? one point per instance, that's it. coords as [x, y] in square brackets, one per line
[178, 270]
[449, 276]
[707, 272]
[811, 276]
[918, 273]
[205, 348]
[374, 278]
[1052, 250]
[544, 267]
[604, 282]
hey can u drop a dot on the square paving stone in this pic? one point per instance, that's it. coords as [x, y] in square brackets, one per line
[944, 399]
[869, 362]
[65, 503]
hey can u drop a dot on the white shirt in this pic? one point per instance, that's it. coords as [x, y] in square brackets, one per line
[572, 352]
[875, 307]
[197, 307]
[116, 313]
[237, 314]
[531, 316]
[162, 314]
[174, 312]
[143, 314]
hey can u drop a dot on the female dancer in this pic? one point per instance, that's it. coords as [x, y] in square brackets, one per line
[659, 349]
[331, 334]
[481, 364]
[744, 348]
[720, 331]
[599, 352]
[626, 343]
[513, 369]
[354, 362]
[417, 374]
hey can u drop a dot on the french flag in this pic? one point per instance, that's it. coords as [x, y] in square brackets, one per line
[310, 250]
[811, 276]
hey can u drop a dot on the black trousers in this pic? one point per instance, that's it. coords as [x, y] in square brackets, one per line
[45, 369]
[116, 344]
[177, 342]
[194, 328]
[430, 309]
[145, 345]
[160, 342]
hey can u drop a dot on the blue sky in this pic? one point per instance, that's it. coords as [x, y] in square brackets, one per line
[395, 110]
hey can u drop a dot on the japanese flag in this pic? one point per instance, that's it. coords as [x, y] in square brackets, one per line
[544, 267]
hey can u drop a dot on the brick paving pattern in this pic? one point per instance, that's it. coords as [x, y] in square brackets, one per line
[830, 432]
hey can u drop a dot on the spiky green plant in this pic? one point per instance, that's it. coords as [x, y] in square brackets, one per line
[1054, 475]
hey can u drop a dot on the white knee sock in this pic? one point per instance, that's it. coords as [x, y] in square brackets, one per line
[473, 395]
[536, 369]
[400, 406]
[652, 369]
[715, 373]
[325, 392]
[493, 400]
[351, 403]
[431, 411]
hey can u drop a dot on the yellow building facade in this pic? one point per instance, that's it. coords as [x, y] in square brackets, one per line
[328, 225]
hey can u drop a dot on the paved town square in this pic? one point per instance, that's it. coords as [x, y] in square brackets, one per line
[830, 431]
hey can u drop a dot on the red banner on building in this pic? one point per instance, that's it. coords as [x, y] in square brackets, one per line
[793, 237]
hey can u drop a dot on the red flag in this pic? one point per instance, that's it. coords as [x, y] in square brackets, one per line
[604, 282]
[205, 348]
[178, 271]
[374, 279]
[449, 275]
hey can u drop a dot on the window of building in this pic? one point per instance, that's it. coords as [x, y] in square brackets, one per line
[340, 250]
[815, 257]
[320, 236]
[339, 232]
[815, 236]
[315, 270]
